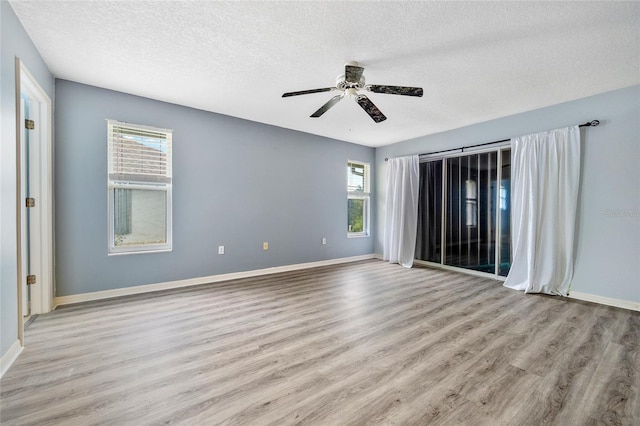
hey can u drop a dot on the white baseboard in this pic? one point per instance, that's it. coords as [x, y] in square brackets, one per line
[9, 357]
[618, 303]
[127, 291]
[108, 294]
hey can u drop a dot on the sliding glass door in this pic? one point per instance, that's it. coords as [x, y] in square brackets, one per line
[463, 212]
[505, 213]
[471, 212]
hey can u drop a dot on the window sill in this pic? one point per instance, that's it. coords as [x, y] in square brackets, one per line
[143, 251]
[357, 235]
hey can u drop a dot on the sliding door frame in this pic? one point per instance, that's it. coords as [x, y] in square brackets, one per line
[498, 215]
[498, 148]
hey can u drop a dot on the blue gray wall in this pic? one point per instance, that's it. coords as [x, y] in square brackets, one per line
[235, 183]
[608, 223]
[14, 42]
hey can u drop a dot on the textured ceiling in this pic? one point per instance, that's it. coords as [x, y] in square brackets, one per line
[475, 60]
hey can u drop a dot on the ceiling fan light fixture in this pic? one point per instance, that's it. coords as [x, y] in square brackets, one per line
[349, 83]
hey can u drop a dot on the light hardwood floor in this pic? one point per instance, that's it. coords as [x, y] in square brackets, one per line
[362, 343]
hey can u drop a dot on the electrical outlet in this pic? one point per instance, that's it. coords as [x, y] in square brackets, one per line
[265, 246]
[324, 241]
[220, 249]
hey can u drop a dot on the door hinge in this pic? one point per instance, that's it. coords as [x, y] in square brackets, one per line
[31, 202]
[29, 124]
[31, 279]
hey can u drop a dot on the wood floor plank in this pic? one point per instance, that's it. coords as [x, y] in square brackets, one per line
[353, 344]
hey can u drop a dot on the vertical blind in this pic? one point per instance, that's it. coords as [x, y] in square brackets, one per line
[139, 154]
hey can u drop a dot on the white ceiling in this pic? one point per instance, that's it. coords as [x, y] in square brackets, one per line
[475, 60]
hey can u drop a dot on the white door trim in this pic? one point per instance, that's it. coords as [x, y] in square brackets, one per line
[9, 357]
[42, 292]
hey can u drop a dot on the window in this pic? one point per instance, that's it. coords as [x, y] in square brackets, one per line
[357, 199]
[139, 186]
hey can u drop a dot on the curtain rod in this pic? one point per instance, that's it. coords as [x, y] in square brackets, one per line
[592, 123]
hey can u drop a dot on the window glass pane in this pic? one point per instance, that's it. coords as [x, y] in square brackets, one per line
[356, 215]
[140, 217]
[471, 211]
[356, 177]
[505, 214]
[429, 233]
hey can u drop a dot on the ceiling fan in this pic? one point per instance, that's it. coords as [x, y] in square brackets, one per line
[349, 84]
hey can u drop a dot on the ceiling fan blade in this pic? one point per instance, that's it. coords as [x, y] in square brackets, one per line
[395, 90]
[324, 108]
[373, 111]
[306, 92]
[353, 74]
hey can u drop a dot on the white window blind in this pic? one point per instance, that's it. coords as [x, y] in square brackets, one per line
[139, 153]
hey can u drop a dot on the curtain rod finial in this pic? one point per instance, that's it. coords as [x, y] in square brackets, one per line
[592, 123]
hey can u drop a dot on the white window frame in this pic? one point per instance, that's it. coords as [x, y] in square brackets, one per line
[360, 195]
[140, 184]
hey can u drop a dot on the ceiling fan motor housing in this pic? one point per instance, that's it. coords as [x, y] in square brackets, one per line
[343, 84]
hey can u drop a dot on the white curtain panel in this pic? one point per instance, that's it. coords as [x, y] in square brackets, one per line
[401, 220]
[545, 174]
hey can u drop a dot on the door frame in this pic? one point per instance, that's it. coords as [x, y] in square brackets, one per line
[42, 293]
